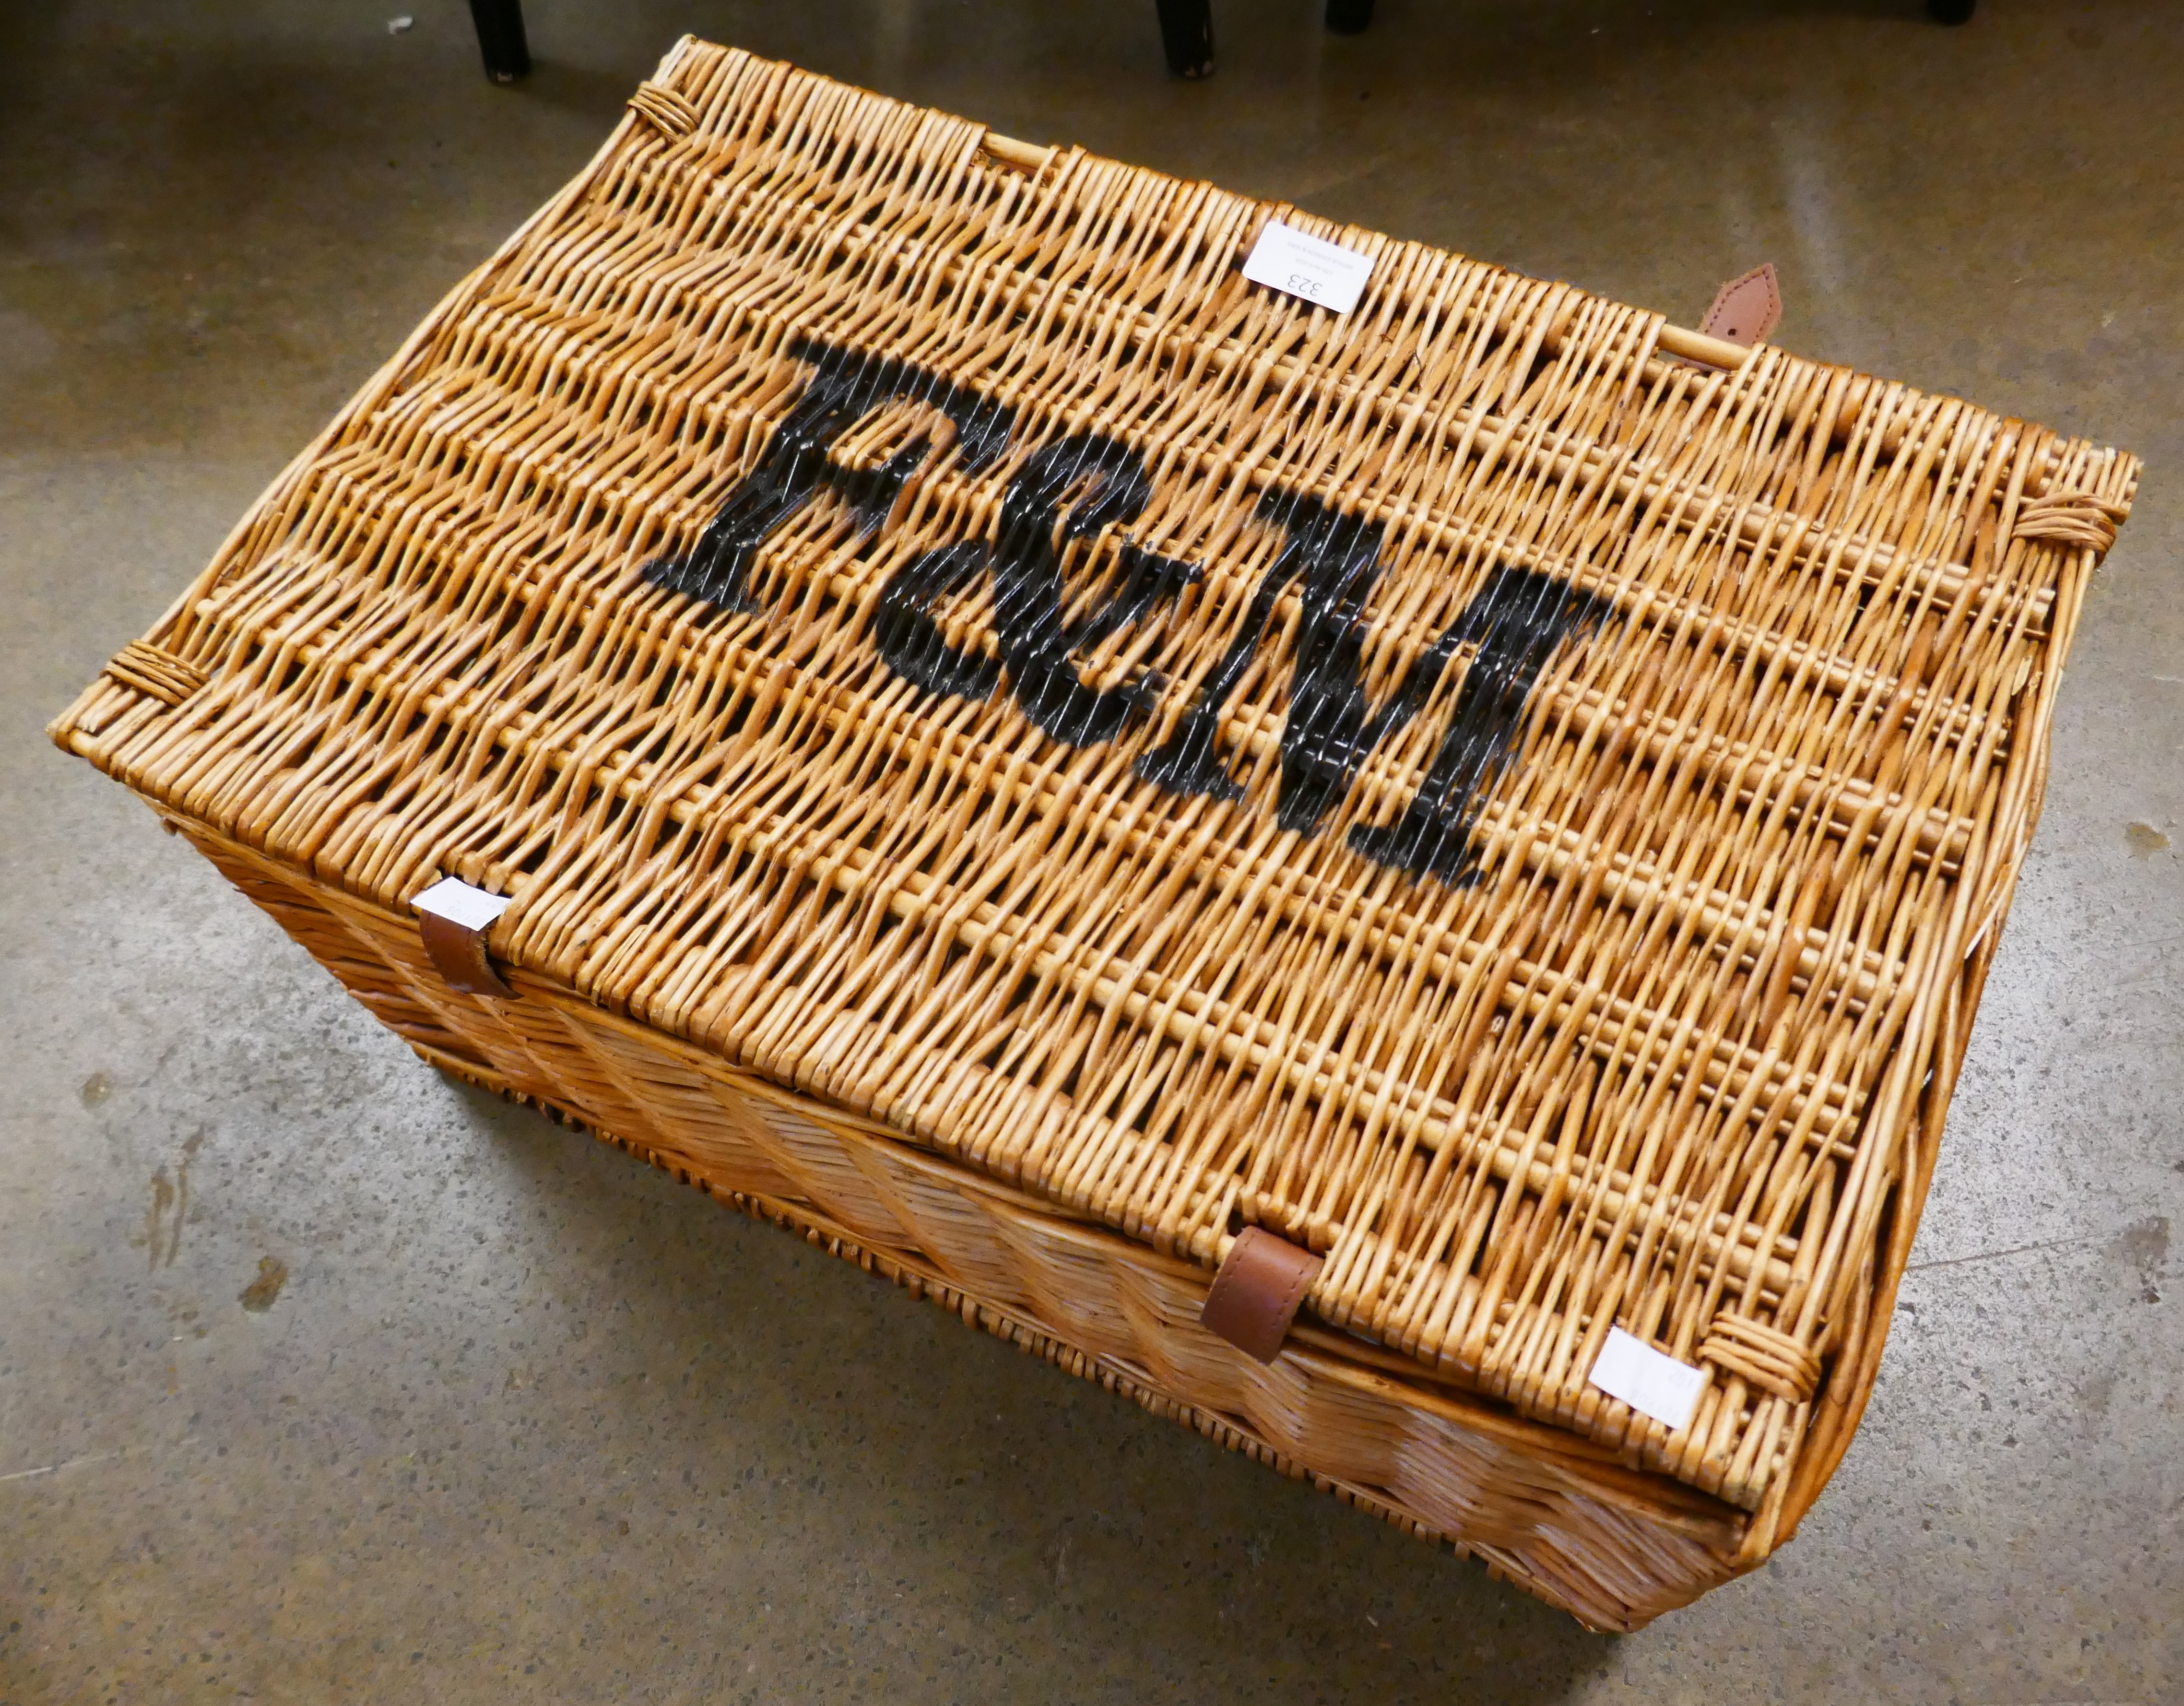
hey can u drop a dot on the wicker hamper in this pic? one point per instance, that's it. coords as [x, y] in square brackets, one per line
[1059, 771]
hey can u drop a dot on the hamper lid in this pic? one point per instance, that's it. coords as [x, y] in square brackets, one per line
[1451, 783]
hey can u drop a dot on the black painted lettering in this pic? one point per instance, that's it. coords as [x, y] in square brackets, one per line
[844, 388]
[909, 641]
[1515, 626]
[1070, 489]
[1335, 557]
[1517, 622]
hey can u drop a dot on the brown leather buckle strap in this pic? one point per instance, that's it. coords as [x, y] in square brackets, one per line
[1256, 1293]
[1746, 310]
[453, 918]
[459, 956]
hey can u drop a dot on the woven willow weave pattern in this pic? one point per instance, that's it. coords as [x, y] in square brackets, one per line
[1453, 783]
[1540, 1507]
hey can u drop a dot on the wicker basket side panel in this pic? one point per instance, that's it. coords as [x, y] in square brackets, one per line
[673, 1105]
[826, 1171]
[1601, 1555]
[1610, 1563]
[1136, 1310]
[1575, 1533]
[1629, 1562]
[404, 1003]
[1119, 1310]
[1100, 1293]
[523, 1047]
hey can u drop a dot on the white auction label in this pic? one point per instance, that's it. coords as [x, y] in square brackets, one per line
[458, 903]
[1305, 265]
[1652, 1384]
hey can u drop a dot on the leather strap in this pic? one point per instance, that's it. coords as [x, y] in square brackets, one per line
[1257, 1291]
[459, 955]
[1746, 310]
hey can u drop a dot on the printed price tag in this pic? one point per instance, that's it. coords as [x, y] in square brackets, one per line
[1294, 261]
[458, 903]
[1652, 1384]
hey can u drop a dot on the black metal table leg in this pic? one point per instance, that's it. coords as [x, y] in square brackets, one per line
[500, 38]
[1952, 11]
[1187, 33]
[1349, 17]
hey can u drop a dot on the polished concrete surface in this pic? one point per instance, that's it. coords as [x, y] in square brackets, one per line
[323, 1379]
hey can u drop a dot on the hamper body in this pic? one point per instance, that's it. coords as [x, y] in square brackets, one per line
[1020, 753]
[1566, 1520]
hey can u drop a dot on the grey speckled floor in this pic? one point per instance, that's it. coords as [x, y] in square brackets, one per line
[527, 1422]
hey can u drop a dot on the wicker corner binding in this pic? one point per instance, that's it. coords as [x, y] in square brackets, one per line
[1021, 754]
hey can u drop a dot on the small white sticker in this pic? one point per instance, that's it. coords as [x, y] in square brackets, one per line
[1650, 1383]
[455, 900]
[1304, 266]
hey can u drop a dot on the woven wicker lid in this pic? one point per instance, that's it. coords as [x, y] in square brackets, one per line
[1451, 783]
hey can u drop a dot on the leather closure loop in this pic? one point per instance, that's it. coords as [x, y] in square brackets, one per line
[459, 955]
[453, 918]
[1257, 1292]
[1745, 311]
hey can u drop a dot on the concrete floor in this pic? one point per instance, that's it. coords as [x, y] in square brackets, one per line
[525, 1421]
